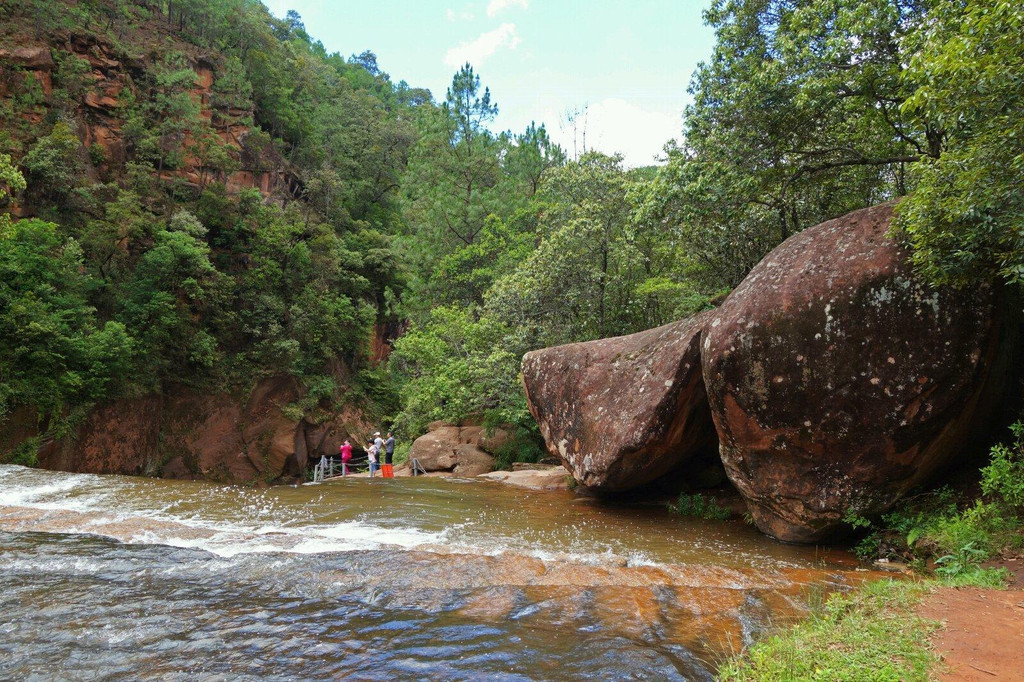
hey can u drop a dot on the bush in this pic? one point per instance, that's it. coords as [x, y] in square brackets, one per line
[25, 454]
[1004, 476]
[699, 506]
[957, 535]
[522, 447]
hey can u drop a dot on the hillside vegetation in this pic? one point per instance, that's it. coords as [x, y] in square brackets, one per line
[200, 193]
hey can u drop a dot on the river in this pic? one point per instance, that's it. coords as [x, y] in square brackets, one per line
[133, 578]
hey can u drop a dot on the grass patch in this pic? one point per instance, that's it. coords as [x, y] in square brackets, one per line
[699, 506]
[869, 634]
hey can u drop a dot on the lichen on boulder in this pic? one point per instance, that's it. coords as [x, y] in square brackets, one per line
[838, 380]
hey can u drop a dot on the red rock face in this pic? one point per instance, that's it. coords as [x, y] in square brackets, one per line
[185, 434]
[116, 438]
[99, 115]
[621, 412]
[838, 381]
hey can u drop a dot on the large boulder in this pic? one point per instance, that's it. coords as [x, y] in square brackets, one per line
[621, 412]
[435, 450]
[463, 450]
[838, 380]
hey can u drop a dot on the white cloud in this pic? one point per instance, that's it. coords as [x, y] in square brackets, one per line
[495, 6]
[475, 51]
[615, 125]
[460, 15]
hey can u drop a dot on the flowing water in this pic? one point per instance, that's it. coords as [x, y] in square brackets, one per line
[130, 578]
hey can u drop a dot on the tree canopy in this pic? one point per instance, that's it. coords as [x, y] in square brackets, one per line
[269, 207]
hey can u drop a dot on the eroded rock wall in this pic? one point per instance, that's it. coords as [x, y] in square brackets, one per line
[112, 79]
[232, 438]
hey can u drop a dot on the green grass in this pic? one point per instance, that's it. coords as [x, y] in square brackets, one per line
[870, 634]
[873, 633]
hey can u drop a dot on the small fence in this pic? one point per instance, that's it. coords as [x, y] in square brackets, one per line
[331, 467]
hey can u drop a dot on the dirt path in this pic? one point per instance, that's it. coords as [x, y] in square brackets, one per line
[983, 633]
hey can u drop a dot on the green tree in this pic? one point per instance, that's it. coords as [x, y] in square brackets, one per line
[54, 353]
[56, 167]
[454, 167]
[796, 119]
[528, 155]
[965, 218]
[175, 109]
[579, 282]
[456, 365]
[11, 182]
[169, 298]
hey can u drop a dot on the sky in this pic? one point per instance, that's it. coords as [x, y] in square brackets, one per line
[625, 63]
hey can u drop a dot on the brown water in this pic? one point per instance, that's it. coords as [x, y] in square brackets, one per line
[130, 578]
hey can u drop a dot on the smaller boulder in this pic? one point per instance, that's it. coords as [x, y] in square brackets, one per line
[624, 411]
[548, 478]
[453, 449]
[435, 450]
[472, 461]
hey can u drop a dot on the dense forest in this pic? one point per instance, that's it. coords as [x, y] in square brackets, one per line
[266, 207]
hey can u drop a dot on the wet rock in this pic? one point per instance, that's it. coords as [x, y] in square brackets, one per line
[621, 412]
[547, 478]
[838, 380]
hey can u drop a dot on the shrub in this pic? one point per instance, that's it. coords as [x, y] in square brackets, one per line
[698, 506]
[522, 447]
[956, 534]
[1004, 476]
[25, 454]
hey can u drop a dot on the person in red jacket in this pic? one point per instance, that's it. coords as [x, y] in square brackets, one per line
[346, 456]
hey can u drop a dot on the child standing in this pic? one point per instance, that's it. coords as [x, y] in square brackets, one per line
[373, 454]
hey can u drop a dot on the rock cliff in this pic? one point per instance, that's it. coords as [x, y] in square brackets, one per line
[112, 80]
[233, 438]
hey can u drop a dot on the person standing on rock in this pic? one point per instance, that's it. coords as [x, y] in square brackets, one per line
[389, 453]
